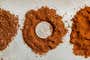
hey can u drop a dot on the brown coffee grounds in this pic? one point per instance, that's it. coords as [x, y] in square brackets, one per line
[8, 28]
[80, 35]
[32, 18]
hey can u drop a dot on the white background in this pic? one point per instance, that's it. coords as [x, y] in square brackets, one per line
[18, 50]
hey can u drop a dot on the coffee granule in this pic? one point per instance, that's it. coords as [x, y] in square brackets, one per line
[80, 35]
[8, 28]
[32, 18]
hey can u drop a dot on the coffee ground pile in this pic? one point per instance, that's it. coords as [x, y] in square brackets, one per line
[39, 45]
[8, 28]
[80, 35]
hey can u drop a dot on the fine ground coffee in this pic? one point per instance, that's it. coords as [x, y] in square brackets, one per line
[8, 28]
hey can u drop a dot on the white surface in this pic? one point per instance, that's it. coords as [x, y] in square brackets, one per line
[18, 50]
[43, 29]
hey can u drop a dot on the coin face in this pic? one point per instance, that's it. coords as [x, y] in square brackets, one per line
[43, 30]
[8, 28]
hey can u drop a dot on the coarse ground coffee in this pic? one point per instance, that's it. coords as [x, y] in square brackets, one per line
[80, 35]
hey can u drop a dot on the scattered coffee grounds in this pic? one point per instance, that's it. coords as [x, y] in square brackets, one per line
[8, 28]
[80, 35]
[39, 45]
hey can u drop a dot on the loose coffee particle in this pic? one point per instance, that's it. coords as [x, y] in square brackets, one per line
[39, 45]
[80, 35]
[8, 28]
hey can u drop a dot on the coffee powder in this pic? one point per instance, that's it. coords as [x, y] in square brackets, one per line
[8, 28]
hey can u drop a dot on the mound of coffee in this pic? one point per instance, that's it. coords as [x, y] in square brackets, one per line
[42, 44]
[80, 35]
[8, 28]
